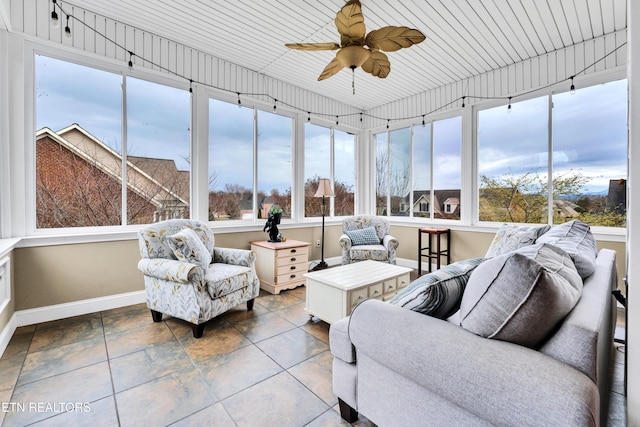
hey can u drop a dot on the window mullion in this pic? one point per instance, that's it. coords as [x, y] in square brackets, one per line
[550, 162]
[123, 213]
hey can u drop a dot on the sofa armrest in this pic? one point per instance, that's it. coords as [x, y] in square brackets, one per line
[171, 270]
[495, 380]
[243, 257]
[339, 341]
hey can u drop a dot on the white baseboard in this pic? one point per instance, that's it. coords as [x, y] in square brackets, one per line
[76, 308]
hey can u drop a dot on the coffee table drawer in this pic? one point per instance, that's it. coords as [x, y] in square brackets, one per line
[375, 290]
[358, 295]
[403, 281]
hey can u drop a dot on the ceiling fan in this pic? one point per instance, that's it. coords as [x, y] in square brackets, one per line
[359, 49]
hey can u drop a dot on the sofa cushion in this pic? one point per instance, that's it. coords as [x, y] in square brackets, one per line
[187, 246]
[521, 297]
[439, 293]
[576, 238]
[510, 237]
[364, 236]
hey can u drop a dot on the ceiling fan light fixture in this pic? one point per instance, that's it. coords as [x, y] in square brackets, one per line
[353, 56]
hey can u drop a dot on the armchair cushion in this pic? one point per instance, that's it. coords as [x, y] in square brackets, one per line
[521, 297]
[365, 236]
[438, 294]
[187, 246]
[223, 279]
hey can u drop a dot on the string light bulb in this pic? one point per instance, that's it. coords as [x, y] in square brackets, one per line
[463, 101]
[336, 120]
[275, 101]
[361, 116]
[572, 89]
[130, 61]
[239, 102]
[388, 120]
[509, 106]
[423, 122]
[54, 16]
[67, 30]
[309, 116]
[190, 86]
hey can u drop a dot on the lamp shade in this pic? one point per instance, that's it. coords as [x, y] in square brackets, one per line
[324, 188]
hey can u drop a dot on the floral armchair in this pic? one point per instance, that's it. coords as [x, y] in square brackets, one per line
[367, 237]
[187, 277]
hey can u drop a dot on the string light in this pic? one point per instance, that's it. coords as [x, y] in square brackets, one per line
[67, 30]
[56, 23]
[423, 122]
[239, 102]
[54, 16]
[572, 89]
[190, 86]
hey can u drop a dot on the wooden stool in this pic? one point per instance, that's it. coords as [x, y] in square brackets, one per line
[431, 254]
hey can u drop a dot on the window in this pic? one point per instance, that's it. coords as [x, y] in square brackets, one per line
[427, 160]
[590, 155]
[320, 142]
[587, 163]
[78, 145]
[80, 164]
[157, 151]
[241, 138]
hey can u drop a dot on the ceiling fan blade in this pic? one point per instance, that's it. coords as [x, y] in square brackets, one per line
[393, 38]
[350, 24]
[313, 46]
[332, 68]
[378, 65]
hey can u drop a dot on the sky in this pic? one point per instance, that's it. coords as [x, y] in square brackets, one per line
[589, 132]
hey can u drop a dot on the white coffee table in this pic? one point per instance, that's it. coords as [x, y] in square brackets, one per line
[332, 293]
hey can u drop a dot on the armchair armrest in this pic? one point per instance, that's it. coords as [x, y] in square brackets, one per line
[243, 257]
[171, 270]
[345, 242]
[495, 380]
[390, 242]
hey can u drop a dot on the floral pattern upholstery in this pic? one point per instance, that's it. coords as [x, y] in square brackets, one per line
[386, 251]
[188, 291]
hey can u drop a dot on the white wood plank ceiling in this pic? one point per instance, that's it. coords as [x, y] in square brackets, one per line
[464, 37]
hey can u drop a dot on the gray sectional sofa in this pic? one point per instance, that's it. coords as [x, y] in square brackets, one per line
[399, 367]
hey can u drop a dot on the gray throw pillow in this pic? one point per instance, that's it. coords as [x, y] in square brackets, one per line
[521, 297]
[510, 237]
[576, 238]
[439, 293]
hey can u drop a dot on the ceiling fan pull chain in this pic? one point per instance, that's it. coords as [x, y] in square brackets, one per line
[353, 79]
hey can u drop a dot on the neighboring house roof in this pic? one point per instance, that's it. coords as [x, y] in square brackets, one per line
[148, 178]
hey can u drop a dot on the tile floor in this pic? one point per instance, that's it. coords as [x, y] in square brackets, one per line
[269, 367]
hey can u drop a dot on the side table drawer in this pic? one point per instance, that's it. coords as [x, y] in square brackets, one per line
[290, 277]
[300, 267]
[292, 252]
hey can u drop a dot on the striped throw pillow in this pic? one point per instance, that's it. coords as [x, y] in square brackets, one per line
[438, 294]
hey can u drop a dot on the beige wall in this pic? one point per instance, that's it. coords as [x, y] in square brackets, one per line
[51, 275]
